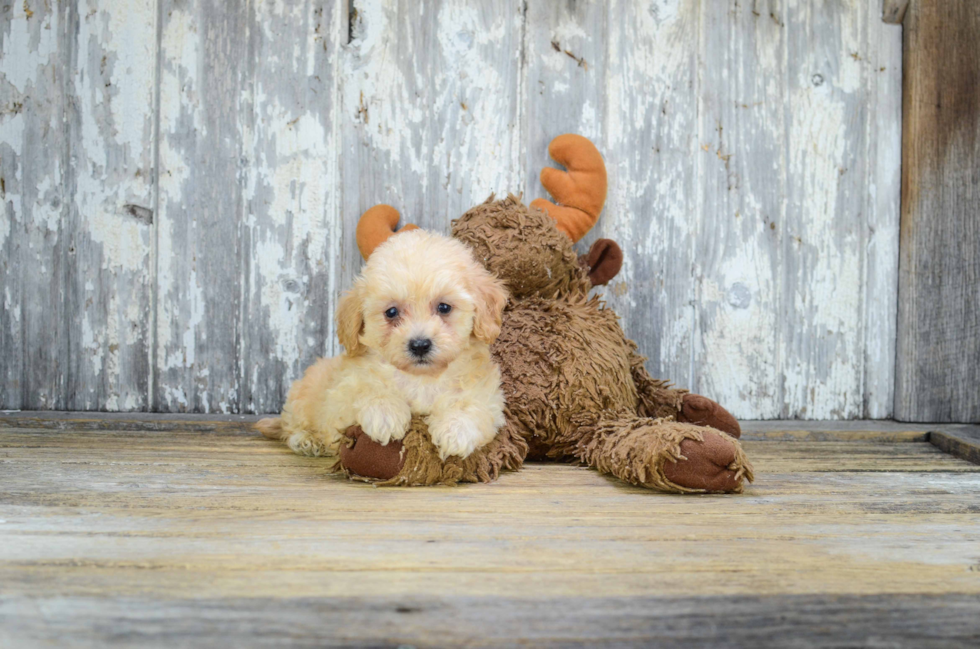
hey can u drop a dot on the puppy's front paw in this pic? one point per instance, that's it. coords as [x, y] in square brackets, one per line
[384, 421]
[311, 444]
[458, 436]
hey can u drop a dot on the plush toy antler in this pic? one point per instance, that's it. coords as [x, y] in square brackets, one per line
[376, 226]
[580, 191]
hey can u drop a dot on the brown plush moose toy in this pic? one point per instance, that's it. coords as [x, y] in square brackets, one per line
[575, 386]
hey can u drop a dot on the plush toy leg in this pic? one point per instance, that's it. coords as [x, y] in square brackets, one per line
[659, 399]
[702, 411]
[363, 457]
[663, 454]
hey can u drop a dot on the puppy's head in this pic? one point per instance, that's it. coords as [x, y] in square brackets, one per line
[420, 301]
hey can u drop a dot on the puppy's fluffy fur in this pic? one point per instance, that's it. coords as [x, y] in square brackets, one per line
[380, 382]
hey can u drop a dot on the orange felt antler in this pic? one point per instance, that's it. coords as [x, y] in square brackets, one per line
[580, 191]
[376, 226]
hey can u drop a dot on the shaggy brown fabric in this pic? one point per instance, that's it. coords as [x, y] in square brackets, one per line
[496, 228]
[649, 452]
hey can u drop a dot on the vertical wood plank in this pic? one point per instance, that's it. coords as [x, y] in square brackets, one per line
[794, 95]
[791, 220]
[649, 120]
[566, 59]
[111, 130]
[34, 160]
[292, 236]
[202, 179]
[431, 112]
[883, 210]
[938, 359]
[824, 236]
[742, 155]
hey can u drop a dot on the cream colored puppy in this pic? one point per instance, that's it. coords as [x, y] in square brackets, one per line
[416, 327]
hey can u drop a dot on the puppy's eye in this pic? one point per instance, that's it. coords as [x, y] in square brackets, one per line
[444, 308]
[391, 313]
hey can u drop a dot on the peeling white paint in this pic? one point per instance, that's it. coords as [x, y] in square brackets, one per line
[178, 75]
[457, 119]
[39, 36]
[123, 240]
[5, 222]
[12, 128]
[10, 308]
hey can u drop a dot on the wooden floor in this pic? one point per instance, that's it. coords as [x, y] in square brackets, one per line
[190, 532]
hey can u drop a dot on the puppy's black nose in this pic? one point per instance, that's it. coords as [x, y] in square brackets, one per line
[419, 347]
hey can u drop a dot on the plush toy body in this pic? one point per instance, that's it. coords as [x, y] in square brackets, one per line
[575, 387]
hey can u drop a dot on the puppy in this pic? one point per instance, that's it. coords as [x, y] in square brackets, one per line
[416, 328]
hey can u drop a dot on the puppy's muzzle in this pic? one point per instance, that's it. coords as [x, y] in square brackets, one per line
[419, 347]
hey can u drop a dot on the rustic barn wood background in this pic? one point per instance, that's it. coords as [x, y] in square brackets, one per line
[180, 181]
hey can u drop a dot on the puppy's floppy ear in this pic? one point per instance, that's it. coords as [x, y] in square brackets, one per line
[350, 321]
[489, 298]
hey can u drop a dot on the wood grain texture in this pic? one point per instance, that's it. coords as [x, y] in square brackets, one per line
[650, 139]
[823, 232]
[743, 185]
[938, 357]
[769, 430]
[882, 215]
[110, 120]
[34, 233]
[434, 621]
[783, 255]
[150, 537]
[203, 174]
[960, 441]
[291, 233]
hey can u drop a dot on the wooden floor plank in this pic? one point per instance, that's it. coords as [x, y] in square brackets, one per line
[804, 621]
[205, 533]
[961, 441]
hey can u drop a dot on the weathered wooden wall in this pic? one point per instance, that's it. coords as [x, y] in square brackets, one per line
[180, 182]
[938, 371]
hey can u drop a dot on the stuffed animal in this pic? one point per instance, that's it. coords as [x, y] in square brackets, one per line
[575, 386]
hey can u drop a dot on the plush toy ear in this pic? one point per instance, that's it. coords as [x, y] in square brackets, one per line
[350, 322]
[604, 260]
[489, 297]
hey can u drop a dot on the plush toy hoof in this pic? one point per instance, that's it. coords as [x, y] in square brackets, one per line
[702, 411]
[366, 458]
[710, 465]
